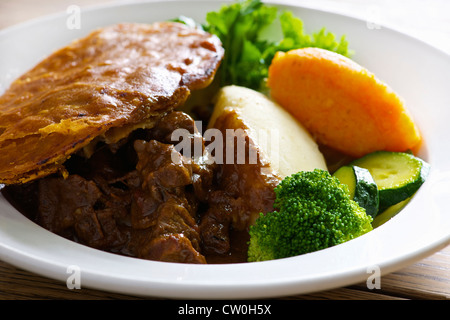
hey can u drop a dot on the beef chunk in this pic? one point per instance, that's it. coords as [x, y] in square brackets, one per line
[97, 228]
[174, 230]
[59, 198]
[215, 224]
[69, 207]
[175, 120]
[200, 160]
[160, 164]
[162, 207]
[172, 248]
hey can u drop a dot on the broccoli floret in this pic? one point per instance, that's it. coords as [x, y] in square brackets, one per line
[313, 211]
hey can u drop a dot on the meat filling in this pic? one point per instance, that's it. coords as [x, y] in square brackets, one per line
[142, 199]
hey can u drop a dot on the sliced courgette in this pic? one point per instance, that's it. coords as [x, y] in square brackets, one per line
[346, 176]
[389, 213]
[398, 175]
[362, 187]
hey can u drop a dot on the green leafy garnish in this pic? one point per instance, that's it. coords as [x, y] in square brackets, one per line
[248, 54]
[239, 26]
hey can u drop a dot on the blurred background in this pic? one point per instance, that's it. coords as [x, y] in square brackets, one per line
[428, 20]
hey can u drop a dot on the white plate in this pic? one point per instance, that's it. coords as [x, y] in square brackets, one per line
[418, 72]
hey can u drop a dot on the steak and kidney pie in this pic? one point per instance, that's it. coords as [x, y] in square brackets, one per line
[85, 140]
[100, 88]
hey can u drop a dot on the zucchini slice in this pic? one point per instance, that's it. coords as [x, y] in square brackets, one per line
[389, 213]
[362, 187]
[398, 175]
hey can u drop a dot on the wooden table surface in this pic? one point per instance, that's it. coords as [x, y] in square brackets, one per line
[426, 279]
